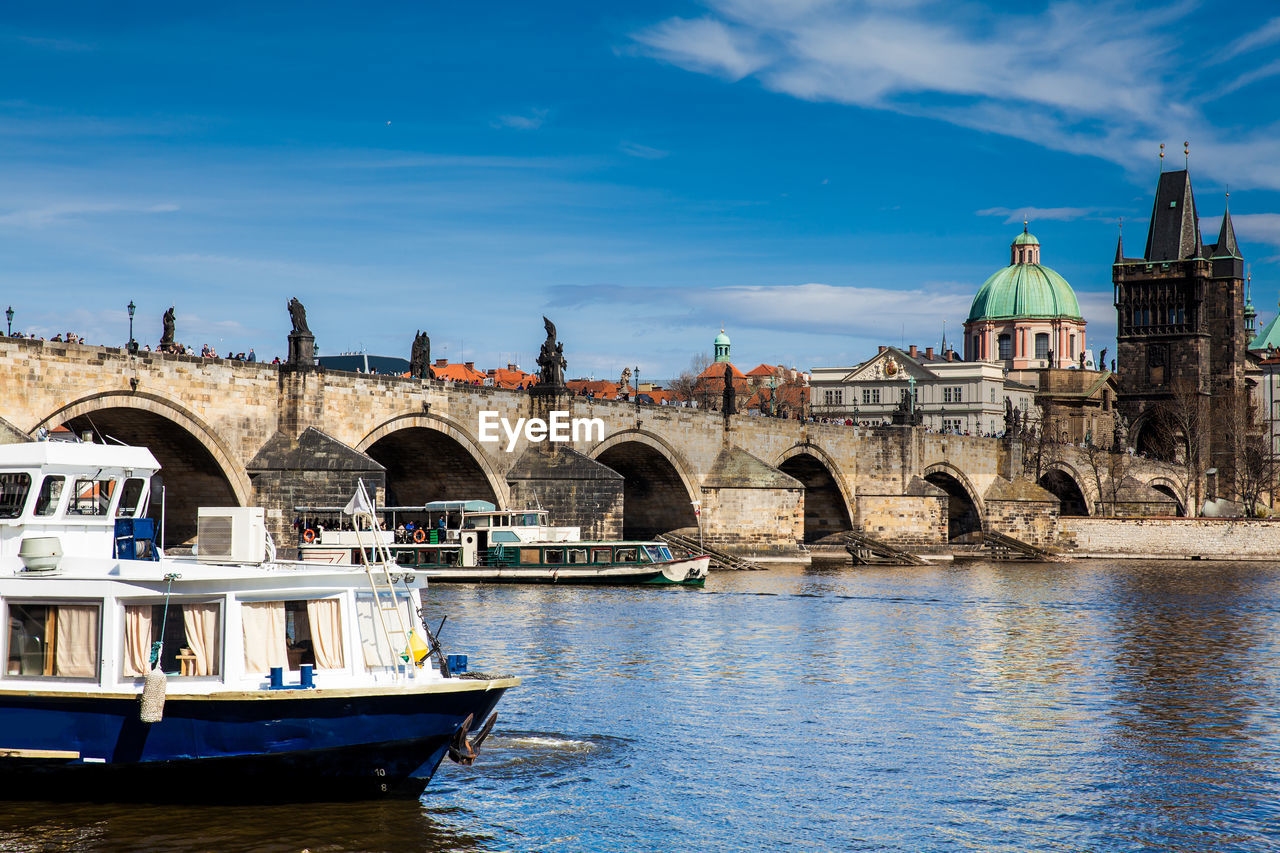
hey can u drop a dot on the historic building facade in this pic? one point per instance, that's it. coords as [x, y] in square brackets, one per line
[1025, 316]
[948, 394]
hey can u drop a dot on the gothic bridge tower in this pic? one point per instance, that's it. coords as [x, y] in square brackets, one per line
[1181, 333]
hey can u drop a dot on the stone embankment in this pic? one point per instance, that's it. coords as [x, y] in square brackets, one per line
[1171, 538]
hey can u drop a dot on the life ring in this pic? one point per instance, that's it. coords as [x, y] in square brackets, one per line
[419, 536]
[308, 535]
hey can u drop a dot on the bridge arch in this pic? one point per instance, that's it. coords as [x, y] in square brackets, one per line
[826, 492]
[197, 467]
[429, 457]
[1065, 483]
[658, 487]
[965, 512]
[1168, 487]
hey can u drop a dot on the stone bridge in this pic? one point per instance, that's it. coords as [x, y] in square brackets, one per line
[234, 433]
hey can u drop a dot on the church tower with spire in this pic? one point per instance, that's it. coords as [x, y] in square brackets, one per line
[1182, 330]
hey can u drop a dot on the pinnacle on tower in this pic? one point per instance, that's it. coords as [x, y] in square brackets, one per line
[1227, 246]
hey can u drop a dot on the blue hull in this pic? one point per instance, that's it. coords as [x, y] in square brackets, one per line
[303, 748]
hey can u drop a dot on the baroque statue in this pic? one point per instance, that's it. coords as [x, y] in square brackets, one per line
[298, 315]
[729, 404]
[1102, 359]
[420, 357]
[551, 363]
[166, 337]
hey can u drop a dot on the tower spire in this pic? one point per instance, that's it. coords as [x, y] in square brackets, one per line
[1120, 241]
[1227, 246]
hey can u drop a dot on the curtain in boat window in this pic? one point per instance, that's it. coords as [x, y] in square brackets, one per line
[264, 635]
[201, 624]
[76, 649]
[137, 640]
[325, 618]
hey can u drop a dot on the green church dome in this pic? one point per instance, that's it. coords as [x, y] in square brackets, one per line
[1025, 288]
[721, 339]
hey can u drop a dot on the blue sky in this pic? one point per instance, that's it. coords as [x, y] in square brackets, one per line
[820, 177]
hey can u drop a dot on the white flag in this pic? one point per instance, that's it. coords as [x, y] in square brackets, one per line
[359, 503]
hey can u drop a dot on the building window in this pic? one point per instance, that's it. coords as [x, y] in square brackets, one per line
[834, 398]
[1005, 345]
[1042, 345]
[993, 394]
[1073, 346]
[870, 396]
[952, 394]
[977, 347]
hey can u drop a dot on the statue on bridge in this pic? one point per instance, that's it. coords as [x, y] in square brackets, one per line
[1102, 359]
[1010, 419]
[298, 315]
[166, 338]
[420, 357]
[1082, 359]
[1121, 433]
[551, 363]
[729, 403]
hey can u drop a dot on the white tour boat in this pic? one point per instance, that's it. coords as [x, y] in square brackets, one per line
[226, 675]
[474, 541]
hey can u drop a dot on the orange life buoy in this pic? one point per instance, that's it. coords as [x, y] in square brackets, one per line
[419, 536]
[308, 535]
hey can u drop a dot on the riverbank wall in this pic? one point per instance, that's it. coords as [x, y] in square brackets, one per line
[1171, 538]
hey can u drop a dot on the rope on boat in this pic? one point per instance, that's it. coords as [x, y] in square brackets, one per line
[151, 708]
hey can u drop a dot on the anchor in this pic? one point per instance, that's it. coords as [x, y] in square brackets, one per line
[462, 749]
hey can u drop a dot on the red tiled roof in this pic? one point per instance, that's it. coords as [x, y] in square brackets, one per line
[715, 370]
[505, 377]
[459, 373]
[601, 388]
[762, 370]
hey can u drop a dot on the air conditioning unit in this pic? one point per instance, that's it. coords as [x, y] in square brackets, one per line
[231, 534]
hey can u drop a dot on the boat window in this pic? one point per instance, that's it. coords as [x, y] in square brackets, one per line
[190, 632]
[602, 555]
[474, 522]
[449, 558]
[427, 557]
[657, 553]
[530, 556]
[130, 497]
[59, 640]
[406, 558]
[577, 555]
[502, 521]
[376, 641]
[14, 487]
[553, 556]
[91, 497]
[530, 519]
[313, 633]
[50, 495]
[626, 555]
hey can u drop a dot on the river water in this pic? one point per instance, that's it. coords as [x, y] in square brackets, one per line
[984, 706]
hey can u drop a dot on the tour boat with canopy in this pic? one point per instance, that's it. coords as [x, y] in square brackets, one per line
[474, 541]
[226, 675]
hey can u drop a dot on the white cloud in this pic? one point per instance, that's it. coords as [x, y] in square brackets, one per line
[1103, 79]
[1262, 36]
[705, 45]
[1017, 214]
[531, 121]
[49, 214]
[644, 152]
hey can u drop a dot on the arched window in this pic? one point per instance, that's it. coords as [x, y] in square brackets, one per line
[1042, 345]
